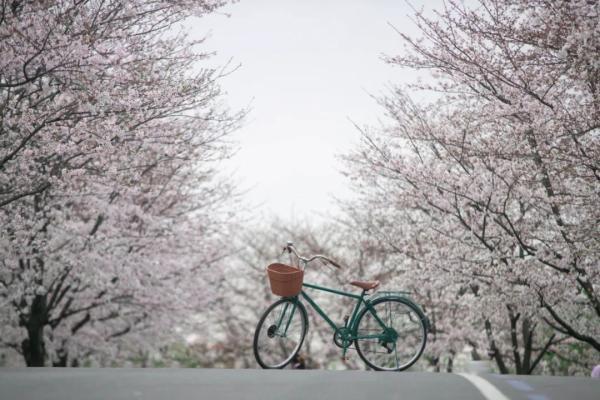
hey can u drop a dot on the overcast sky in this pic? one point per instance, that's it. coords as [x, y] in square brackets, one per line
[307, 68]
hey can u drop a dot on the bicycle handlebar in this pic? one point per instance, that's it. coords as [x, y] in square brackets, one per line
[291, 249]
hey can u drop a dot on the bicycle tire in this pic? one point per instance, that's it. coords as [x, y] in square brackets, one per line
[420, 325]
[259, 354]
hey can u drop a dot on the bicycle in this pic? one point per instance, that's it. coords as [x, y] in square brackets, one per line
[388, 329]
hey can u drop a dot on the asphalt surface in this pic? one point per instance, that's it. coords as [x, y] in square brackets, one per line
[175, 384]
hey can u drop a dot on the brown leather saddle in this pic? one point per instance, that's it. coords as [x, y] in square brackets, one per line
[366, 285]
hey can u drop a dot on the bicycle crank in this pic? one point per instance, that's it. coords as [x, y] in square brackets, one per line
[338, 338]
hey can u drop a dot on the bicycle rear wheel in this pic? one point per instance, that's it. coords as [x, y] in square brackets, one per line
[400, 343]
[280, 333]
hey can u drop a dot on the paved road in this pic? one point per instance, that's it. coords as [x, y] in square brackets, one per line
[175, 384]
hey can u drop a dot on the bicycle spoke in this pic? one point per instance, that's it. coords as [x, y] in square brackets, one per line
[397, 346]
[280, 334]
[375, 352]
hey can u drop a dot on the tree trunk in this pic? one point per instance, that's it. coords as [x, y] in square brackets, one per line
[450, 363]
[494, 351]
[436, 364]
[61, 358]
[34, 349]
[527, 332]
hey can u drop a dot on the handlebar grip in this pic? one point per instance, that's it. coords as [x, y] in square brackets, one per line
[335, 264]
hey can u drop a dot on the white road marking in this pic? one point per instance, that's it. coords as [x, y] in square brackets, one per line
[488, 390]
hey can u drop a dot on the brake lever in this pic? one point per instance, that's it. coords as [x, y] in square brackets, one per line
[333, 263]
[330, 264]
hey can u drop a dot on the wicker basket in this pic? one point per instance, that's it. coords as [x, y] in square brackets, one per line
[286, 281]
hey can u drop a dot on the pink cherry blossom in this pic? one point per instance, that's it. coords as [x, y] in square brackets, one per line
[110, 200]
[489, 194]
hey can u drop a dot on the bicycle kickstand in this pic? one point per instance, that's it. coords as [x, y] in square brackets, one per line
[344, 356]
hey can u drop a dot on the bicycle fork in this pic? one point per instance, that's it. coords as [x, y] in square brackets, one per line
[288, 320]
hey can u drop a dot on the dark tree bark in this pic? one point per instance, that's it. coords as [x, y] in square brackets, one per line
[33, 347]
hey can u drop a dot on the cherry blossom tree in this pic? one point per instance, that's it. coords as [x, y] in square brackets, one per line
[111, 206]
[492, 189]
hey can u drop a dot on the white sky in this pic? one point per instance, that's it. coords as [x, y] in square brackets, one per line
[307, 67]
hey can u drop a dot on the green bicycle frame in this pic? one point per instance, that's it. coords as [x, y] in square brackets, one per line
[351, 324]
[361, 301]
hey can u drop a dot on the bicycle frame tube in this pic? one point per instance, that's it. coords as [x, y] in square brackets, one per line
[341, 293]
[359, 298]
[318, 310]
[370, 308]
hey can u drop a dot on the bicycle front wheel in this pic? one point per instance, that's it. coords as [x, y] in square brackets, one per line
[280, 333]
[400, 343]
